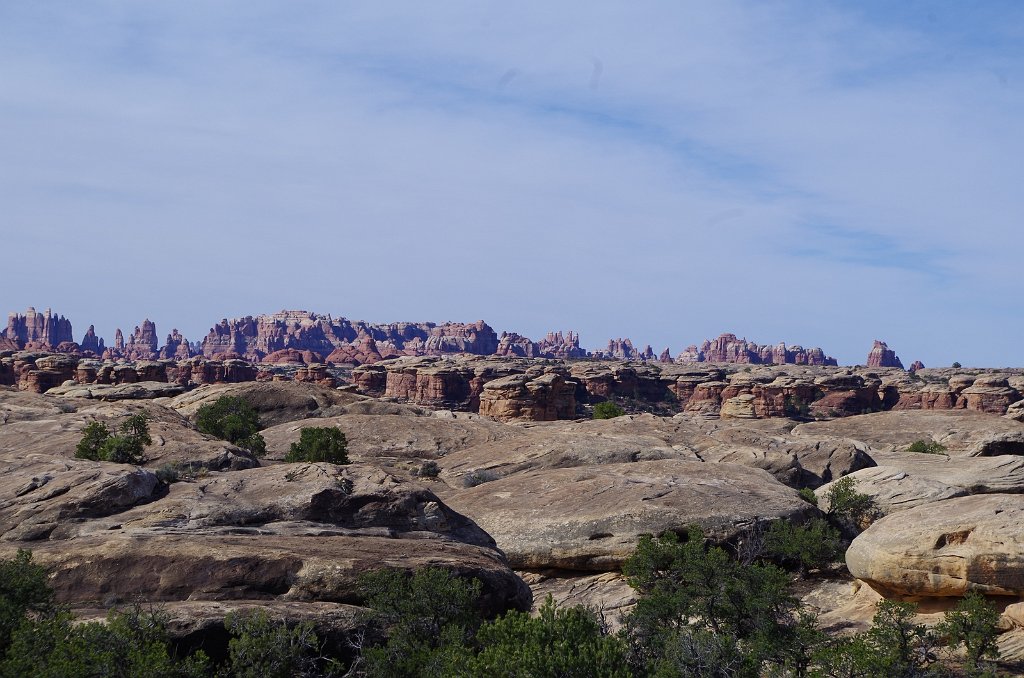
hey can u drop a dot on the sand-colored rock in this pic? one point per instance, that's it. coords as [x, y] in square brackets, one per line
[54, 426]
[276, 402]
[411, 434]
[591, 518]
[963, 433]
[143, 390]
[42, 494]
[299, 532]
[945, 548]
[606, 592]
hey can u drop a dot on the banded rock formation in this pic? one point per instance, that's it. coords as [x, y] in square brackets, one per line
[726, 348]
[883, 356]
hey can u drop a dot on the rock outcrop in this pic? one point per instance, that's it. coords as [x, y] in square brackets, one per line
[276, 533]
[883, 356]
[592, 518]
[143, 344]
[726, 348]
[91, 344]
[40, 331]
[973, 543]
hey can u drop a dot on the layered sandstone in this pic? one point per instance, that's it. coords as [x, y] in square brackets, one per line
[37, 330]
[883, 356]
[727, 348]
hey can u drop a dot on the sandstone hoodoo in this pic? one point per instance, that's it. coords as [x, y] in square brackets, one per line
[726, 348]
[883, 356]
[35, 330]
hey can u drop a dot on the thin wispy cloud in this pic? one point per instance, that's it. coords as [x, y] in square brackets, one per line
[667, 171]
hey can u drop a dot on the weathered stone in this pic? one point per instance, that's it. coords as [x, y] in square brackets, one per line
[945, 548]
[592, 518]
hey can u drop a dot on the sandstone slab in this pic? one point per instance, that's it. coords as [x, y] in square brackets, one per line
[592, 518]
[945, 548]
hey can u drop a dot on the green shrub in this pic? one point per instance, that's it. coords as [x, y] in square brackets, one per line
[608, 410]
[127, 447]
[327, 444]
[807, 494]
[23, 590]
[686, 589]
[973, 623]
[569, 642]
[428, 618]
[926, 447]
[956, 365]
[847, 507]
[263, 648]
[233, 419]
[813, 546]
[94, 435]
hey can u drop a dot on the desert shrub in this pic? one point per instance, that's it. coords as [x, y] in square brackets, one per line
[699, 608]
[318, 443]
[94, 435]
[956, 365]
[23, 590]
[261, 647]
[972, 623]
[608, 410]
[479, 477]
[429, 469]
[926, 447]
[807, 494]
[428, 619]
[130, 643]
[126, 447]
[168, 473]
[569, 642]
[233, 419]
[847, 507]
[813, 546]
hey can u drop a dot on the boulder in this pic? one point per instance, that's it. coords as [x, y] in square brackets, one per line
[945, 548]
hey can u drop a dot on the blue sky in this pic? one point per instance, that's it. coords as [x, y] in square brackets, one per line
[810, 172]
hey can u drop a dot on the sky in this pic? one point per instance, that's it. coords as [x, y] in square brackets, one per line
[819, 173]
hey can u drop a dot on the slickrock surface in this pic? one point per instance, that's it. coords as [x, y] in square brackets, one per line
[905, 480]
[963, 433]
[592, 518]
[290, 532]
[52, 426]
[946, 548]
[407, 433]
[763, 444]
[276, 402]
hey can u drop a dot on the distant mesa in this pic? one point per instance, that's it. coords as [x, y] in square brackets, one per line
[883, 356]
